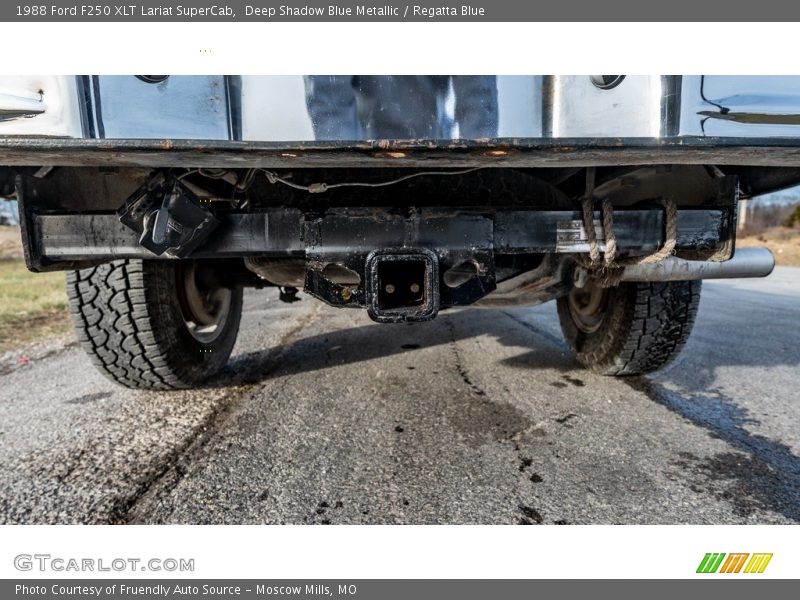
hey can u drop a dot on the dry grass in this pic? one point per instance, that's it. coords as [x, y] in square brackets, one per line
[10, 243]
[32, 305]
[783, 241]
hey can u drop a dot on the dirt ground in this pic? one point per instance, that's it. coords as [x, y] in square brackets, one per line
[783, 241]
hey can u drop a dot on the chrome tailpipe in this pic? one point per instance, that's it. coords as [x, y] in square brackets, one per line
[746, 262]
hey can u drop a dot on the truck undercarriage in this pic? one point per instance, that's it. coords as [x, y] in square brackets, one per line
[162, 197]
[401, 230]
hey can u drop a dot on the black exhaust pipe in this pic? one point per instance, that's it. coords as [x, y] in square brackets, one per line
[402, 285]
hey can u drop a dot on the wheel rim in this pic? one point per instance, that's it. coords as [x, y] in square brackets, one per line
[205, 309]
[587, 306]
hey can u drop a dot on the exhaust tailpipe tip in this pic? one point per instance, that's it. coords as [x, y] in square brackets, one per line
[746, 262]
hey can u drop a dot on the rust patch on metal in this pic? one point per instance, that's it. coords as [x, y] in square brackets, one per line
[390, 155]
[528, 152]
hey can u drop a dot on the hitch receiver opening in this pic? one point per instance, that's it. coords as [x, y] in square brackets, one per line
[402, 285]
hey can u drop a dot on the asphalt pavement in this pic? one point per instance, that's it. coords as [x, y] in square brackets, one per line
[480, 416]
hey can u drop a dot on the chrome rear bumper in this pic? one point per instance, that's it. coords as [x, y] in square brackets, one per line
[283, 108]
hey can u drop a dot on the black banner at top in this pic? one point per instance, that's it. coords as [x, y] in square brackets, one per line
[418, 11]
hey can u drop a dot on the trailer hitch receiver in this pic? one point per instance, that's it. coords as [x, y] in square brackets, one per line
[402, 285]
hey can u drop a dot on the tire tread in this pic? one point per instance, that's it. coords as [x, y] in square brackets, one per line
[120, 313]
[645, 333]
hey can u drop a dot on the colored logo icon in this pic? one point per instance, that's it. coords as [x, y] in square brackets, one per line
[719, 562]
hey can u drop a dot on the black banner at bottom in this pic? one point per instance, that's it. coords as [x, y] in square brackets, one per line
[388, 589]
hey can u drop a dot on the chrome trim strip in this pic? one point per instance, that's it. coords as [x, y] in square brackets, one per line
[18, 107]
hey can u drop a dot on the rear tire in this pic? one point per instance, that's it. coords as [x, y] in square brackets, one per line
[630, 329]
[152, 324]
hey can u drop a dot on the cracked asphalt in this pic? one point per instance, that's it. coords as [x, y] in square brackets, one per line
[478, 417]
